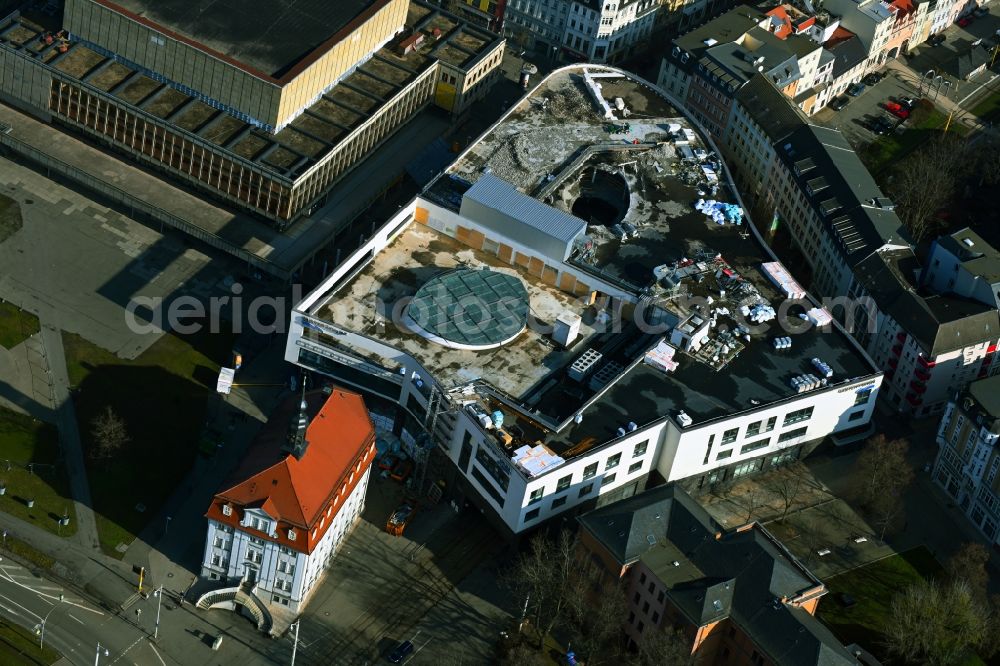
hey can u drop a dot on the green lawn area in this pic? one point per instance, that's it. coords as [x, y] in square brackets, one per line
[872, 588]
[989, 108]
[19, 646]
[24, 441]
[162, 396]
[16, 325]
[10, 217]
[887, 150]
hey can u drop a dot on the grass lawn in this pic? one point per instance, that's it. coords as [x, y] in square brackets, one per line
[10, 217]
[162, 396]
[24, 441]
[989, 108]
[887, 150]
[872, 588]
[19, 646]
[16, 325]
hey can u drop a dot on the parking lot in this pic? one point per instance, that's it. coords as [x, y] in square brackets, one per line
[910, 77]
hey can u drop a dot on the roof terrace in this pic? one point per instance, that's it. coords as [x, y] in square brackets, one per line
[694, 268]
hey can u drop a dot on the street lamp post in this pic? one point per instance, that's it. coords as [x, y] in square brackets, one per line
[97, 657]
[295, 645]
[159, 600]
[40, 628]
[166, 528]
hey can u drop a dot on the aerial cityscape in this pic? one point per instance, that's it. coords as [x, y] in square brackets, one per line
[515, 332]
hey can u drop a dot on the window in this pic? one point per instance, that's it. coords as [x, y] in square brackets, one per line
[661, 596]
[863, 396]
[613, 461]
[798, 416]
[635, 599]
[640, 449]
[463, 457]
[642, 579]
[631, 617]
[608, 479]
[635, 467]
[536, 495]
[639, 627]
[656, 617]
[770, 424]
[730, 436]
[558, 502]
[216, 560]
[227, 510]
[652, 586]
[791, 434]
[743, 469]
[563, 483]
[590, 471]
[645, 607]
[753, 429]
[586, 489]
[759, 444]
[856, 416]
[531, 515]
[708, 451]
[724, 454]
[218, 542]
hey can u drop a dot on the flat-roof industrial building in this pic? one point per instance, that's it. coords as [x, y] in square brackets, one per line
[650, 330]
[263, 109]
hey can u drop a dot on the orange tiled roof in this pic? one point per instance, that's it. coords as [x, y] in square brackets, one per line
[302, 494]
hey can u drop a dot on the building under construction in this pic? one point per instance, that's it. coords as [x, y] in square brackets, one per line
[263, 108]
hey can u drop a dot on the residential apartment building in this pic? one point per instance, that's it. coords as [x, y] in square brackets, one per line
[738, 596]
[931, 328]
[599, 31]
[281, 518]
[968, 462]
[485, 13]
[626, 378]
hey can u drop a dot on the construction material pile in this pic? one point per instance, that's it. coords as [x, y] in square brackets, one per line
[719, 211]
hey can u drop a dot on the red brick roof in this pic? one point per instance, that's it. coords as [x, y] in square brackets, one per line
[301, 494]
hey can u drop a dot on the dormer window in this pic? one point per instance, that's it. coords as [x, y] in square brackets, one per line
[291, 535]
[227, 510]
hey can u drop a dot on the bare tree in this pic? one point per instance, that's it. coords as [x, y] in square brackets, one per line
[927, 181]
[968, 564]
[787, 487]
[543, 578]
[109, 433]
[666, 647]
[752, 501]
[935, 624]
[597, 611]
[880, 468]
[886, 512]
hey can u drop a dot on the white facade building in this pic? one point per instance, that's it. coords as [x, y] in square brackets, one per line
[535, 429]
[273, 530]
[968, 463]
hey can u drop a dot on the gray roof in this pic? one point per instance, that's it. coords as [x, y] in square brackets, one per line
[769, 108]
[973, 60]
[521, 217]
[266, 35]
[742, 575]
[986, 392]
[855, 210]
[938, 323]
[978, 257]
[847, 55]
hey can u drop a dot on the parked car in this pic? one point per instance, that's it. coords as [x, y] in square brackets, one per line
[936, 40]
[897, 110]
[965, 21]
[881, 126]
[980, 12]
[855, 89]
[400, 652]
[873, 78]
[840, 102]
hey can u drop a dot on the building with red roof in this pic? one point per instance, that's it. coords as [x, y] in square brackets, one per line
[299, 490]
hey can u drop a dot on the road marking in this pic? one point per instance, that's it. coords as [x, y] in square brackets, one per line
[157, 654]
[413, 655]
[45, 597]
[75, 618]
[127, 649]
[20, 606]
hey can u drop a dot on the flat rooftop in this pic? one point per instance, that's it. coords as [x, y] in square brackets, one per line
[310, 137]
[267, 36]
[556, 145]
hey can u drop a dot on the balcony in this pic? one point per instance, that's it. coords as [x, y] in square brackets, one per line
[918, 388]
[901, 336]
[897, 349]
[913, 399]
[922, 375]
[893, 362]
[924, 362]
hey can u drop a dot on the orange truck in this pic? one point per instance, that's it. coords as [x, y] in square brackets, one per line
[400, 518]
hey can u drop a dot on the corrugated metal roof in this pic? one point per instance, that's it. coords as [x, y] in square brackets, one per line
[500, 195]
